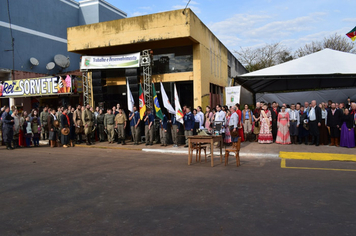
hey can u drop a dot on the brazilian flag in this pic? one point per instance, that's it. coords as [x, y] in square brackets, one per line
[158, 110]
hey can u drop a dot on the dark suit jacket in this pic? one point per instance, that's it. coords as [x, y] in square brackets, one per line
[50, 121]
[349, 119]
[64, 121]
[334, 120]
[317, 114]
[274, 115]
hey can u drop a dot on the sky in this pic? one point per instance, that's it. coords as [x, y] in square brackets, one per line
[254, 23]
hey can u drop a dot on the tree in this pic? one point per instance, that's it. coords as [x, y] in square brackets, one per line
[335, 41]
[263, 57]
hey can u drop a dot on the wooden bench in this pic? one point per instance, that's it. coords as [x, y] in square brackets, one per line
[235, 148]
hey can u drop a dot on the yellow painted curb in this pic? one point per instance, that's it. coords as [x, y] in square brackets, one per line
[317, 156]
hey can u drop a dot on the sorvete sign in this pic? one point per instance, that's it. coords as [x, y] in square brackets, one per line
[36, 87]
[109, 62]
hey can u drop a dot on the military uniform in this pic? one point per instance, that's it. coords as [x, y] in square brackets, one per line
[88, 122]
[44, 124]
[175, 129]
[109, 122]
[149, 126]
[78, 122]
[135, 131]
[100, 124]
[163, 131]
[120, 121]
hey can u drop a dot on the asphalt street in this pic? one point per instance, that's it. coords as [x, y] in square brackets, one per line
[81, 191]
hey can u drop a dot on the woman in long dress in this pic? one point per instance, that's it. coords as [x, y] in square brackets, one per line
[265, 135]
[208, 118]
[227, 138]
[283, 135]
[347, 137]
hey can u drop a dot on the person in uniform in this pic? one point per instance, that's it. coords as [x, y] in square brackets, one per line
[52, 130]
[16, 128]
[92, 134]
[134, 118]
[188, 124]
[149, 119]
[78, 122]
[120, 124]
[175, 130]
[109, 121]
[100, 125]
[163, 131]
[88, 122]
[65, 123]
[44, 124]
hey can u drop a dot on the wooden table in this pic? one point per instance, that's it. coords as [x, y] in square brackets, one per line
[205, 139]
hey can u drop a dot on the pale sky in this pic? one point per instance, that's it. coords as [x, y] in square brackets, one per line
[240, 23]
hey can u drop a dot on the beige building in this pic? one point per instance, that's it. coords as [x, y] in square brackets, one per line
[185, 51]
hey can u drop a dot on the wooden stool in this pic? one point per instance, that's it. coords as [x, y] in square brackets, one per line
[235, 148]
[198, 147]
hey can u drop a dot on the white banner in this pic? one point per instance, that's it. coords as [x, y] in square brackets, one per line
[109, 62]
[232, 95]
[166, 102]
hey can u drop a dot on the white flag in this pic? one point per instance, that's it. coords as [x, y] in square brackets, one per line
[166, 102]
[179, 112]
[130, 100]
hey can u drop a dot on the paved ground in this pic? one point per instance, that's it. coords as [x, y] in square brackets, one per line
[248, 149]
[81, 191]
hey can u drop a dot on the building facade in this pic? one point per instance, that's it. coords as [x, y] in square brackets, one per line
[185, 51]
[38, 29]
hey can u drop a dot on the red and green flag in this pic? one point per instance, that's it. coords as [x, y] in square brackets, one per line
[142, 104]
[158, 110]
[352, 34]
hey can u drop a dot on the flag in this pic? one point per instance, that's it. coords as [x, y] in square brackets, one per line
[352, 34]
[158, 110]
[166, 102]
[179, 112]
[141, 103]
[130, 100]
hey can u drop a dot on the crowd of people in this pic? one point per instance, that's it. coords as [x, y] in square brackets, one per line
[328, 123]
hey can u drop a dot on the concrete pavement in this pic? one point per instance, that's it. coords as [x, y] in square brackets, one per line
[93, 191]
[248, 149]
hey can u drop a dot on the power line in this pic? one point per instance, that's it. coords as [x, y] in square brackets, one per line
[184, 8]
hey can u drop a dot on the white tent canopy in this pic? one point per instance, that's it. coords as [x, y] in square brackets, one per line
[321, 70]
[324, 62]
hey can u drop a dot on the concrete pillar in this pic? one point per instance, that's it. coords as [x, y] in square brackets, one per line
[197, 94]
[11, 102]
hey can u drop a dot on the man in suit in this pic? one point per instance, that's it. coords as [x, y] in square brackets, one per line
[314, 122]
[334, 124]
[274, 115]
